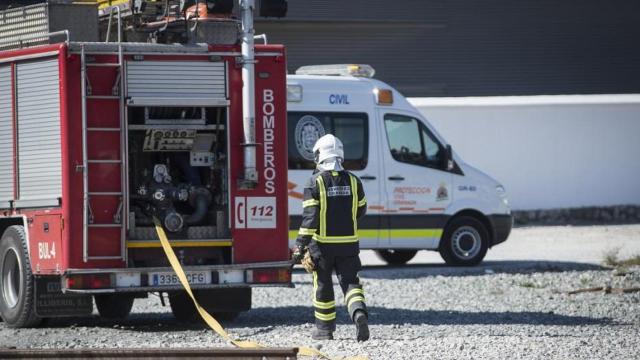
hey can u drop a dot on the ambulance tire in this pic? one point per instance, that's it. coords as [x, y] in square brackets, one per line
[114, 306]
[395, 256]
[464, 242]
[17, 283]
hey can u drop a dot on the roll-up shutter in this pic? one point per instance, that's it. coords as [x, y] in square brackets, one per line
[167, 83]
[38, 112]
[6, 137]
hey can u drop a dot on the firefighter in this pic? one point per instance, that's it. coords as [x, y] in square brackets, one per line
[328, 239]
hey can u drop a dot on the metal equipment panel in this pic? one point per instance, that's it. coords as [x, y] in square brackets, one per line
[6, 136]
[38, 113]
[22, 26]
[176, 79]
[18, 22]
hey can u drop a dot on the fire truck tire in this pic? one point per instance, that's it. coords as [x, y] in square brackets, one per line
[182, 307]
[464, 242]
[114, 306]
[17, 283]
[226, 316]
[225, 304]
[222, 304]
[396, 257]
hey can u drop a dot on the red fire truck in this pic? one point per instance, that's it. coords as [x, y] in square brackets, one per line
[97, 138]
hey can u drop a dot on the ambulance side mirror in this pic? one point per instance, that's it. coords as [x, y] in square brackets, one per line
[448, 158]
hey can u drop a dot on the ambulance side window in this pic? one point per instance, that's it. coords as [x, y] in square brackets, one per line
[411, 142]
[304, 128]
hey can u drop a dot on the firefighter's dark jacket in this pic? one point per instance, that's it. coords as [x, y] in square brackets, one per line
[333, 203]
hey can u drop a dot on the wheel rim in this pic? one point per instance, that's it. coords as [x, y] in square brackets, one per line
[11, 278]
[466, 242]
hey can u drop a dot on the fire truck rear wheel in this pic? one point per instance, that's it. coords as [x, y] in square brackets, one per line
[182, 307]
[114, 306]
[222, 304]
[226, 316]
[396, 257]
[17, 283]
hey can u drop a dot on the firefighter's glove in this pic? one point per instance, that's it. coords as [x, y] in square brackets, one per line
[307, 262]
[298, 254]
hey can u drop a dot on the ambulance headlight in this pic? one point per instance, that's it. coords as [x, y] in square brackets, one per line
[503, 194]
[294, 93]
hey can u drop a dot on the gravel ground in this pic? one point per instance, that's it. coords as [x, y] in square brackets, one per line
[502, 309]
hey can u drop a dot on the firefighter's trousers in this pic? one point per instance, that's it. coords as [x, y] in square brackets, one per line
[346, 268]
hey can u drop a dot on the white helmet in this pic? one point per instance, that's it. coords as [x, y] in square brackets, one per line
[328, 147]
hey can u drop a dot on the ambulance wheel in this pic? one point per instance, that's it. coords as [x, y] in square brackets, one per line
[17, 283]
[182, 307]
[114, 306]
[465, 242]
[396, 257]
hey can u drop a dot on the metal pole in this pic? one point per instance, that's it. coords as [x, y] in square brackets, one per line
[248, 93]
[85, 162]
[109, 25]
[124, 217]
[119, 25]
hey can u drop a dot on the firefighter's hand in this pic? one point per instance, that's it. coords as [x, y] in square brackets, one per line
[298, 254]
[308, 263]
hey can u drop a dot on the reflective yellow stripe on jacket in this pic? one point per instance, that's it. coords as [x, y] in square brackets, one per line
[354, 204]
[306, 231]
[310, 202]
[323, 207]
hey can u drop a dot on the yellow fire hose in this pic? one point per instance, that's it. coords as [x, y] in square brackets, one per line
[210, 320]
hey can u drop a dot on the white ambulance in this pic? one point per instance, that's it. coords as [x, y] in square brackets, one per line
[420, 194]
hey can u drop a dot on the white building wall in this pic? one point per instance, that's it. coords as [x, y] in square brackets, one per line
[548, 151]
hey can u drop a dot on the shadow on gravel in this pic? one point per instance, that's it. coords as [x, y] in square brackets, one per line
[413, 271]
[301, 315]
[298, 315]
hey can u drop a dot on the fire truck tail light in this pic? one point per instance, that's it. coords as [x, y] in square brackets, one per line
[384, 96]
[264, 276]
[89, 281]
[294, 93]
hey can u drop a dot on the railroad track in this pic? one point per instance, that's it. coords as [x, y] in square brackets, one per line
[160, 354]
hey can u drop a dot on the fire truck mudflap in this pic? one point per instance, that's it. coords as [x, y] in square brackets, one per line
[52, 302]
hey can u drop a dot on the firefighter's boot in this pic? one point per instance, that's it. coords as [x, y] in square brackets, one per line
[362, 328]
[319, 334]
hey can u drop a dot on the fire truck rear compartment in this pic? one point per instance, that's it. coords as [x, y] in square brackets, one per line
[177, 171]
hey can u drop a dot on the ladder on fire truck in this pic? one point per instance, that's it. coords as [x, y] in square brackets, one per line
[103, 231]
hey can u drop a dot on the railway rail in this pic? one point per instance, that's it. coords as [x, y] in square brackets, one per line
[156, 353]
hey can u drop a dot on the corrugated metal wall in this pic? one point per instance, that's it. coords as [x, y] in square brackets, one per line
[471, 48]
[6, 137]
[38, 110]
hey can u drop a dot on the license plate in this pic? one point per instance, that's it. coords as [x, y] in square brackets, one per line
[169, 278]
